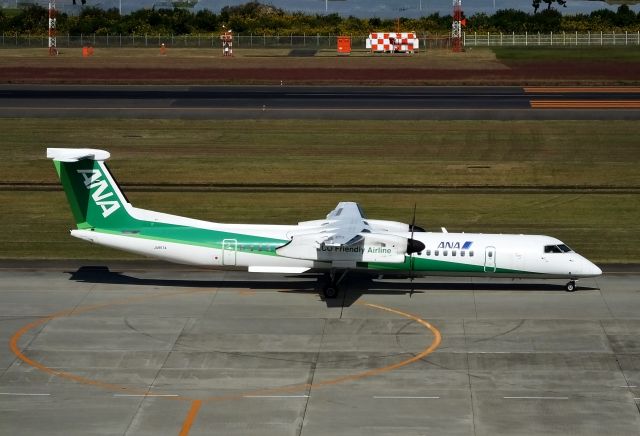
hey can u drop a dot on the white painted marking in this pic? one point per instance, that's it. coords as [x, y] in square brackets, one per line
[631, 386]
[406, 398]
[146, 395]
[536, 398]
[276, 396]
[23, 394]
[636, 398]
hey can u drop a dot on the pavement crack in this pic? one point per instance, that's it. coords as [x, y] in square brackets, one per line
[143, 333]
[520, 324]
[312, 374]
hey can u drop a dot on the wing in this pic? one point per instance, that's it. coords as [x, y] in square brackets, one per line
[344, 225]
[342, 237]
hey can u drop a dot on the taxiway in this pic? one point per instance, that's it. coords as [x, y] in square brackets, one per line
[322, 102]
[120, 350]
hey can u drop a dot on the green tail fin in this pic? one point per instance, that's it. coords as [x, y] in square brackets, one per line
[94, 196]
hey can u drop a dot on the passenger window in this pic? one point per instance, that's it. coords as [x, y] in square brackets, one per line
[437, 253]
[428, 252]
[471, 253]
[445, 252]
[490, 254]
[453, 253]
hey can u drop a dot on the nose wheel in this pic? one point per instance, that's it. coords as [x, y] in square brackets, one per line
[570, 286]
[330, 291]
[330, 287]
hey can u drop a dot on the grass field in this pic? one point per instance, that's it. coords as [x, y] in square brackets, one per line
[205, 65]
[437, 153]
[207, 57]
[529, 154]
[610, 53]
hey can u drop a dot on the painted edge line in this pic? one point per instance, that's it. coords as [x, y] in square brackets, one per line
[276, 396]
[404, 398]
[20, 394]
[536, 398]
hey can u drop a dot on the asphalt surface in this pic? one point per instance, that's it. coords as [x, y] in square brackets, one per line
[129, 351]
[332, 103]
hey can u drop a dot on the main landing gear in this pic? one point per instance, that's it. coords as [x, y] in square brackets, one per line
[570, 286]
[330, 287]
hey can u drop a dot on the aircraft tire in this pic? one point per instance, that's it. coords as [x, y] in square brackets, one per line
[570, 286]
[331, 291]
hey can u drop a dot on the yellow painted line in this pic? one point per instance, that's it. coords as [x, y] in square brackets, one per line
[435, 343]
[195, 402]
[579, 89]
[585, 104]
[191, 417]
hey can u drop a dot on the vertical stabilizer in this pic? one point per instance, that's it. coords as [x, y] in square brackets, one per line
[93, 194]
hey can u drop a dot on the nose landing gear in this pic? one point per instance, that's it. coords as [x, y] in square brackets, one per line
[330, 286]
[570, 286]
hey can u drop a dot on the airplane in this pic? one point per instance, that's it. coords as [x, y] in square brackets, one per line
[343, 241]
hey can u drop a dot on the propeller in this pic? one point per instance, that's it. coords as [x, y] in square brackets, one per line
[413, 246]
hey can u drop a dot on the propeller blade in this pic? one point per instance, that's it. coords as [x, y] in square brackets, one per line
[413, 220]
[411, 248]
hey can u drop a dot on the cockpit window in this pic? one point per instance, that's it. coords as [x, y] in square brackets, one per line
[552, 249]
[560, 248]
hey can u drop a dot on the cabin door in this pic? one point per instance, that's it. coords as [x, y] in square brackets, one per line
[229, 250]
[490, 259]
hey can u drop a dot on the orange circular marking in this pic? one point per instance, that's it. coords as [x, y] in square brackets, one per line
[13, 345]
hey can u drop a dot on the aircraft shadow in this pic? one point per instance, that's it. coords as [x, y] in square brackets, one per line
[354, 286]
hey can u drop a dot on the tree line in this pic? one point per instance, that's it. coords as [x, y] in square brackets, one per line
[261, 19]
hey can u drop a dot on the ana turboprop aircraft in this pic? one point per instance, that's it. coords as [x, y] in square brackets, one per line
[344, 241]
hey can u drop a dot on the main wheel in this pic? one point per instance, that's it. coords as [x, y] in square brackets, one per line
[570, 286]
[331, 291]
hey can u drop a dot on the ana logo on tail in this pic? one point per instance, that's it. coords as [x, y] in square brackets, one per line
[93, 179]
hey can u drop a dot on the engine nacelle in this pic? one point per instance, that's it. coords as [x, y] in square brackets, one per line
[383, 226]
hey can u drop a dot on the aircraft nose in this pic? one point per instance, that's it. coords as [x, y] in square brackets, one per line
[591, 269]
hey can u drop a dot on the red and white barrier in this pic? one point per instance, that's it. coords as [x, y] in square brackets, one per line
[403, 42]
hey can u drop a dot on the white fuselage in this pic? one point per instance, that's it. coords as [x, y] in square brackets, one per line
[451, 254]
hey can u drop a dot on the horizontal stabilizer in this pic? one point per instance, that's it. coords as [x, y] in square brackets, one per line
[76, 154]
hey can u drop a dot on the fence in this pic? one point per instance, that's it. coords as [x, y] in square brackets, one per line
[322, 41]
[551, 39]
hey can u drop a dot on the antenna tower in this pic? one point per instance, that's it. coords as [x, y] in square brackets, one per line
[53, 48]
[456, 29]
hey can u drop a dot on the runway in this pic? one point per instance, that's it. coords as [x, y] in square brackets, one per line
[118, 349]
[331, 103]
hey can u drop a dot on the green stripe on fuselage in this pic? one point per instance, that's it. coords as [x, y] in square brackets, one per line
[198, 237]
[426, 265]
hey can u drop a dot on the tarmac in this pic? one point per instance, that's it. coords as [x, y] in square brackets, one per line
[125, 350]
[240, 102]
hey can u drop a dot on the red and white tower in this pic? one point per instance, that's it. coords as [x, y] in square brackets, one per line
[458, 23]
[53, 48]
